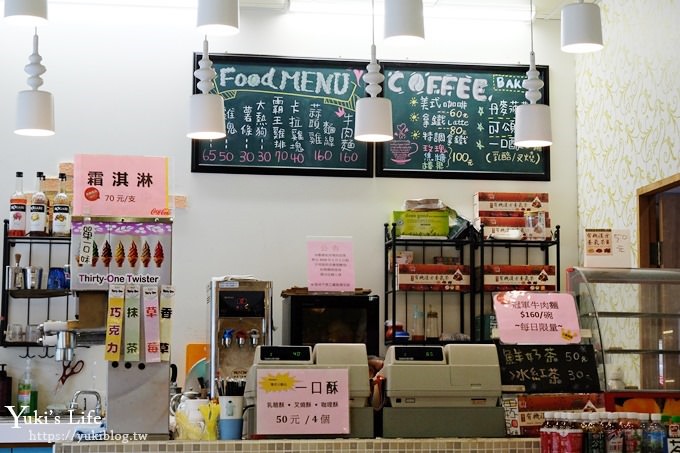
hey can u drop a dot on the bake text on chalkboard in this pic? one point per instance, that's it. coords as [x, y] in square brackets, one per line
[286, 116]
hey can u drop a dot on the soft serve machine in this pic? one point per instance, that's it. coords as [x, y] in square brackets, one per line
[240, 321]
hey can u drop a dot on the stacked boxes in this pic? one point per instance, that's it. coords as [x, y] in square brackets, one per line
[504, 211]
[433, 277]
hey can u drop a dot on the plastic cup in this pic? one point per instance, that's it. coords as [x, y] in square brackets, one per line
[230, 428]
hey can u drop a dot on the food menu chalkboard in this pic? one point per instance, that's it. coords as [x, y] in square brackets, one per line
[457, 121]
[549, 368]
[286, 116]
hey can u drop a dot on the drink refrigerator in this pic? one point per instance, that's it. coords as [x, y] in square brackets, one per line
[240, 320]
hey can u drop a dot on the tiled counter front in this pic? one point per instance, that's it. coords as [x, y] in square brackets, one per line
[290, 446]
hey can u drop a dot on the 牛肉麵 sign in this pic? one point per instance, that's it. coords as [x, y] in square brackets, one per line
[458, 121]
[526, 317]
[286, 116]
[120, 186]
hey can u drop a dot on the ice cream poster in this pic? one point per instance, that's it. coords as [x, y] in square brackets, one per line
[122, 253]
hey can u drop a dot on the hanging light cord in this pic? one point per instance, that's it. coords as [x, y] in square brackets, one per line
[531, 17]
[373, 22]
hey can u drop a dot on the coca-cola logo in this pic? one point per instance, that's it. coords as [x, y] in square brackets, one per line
[162, 212]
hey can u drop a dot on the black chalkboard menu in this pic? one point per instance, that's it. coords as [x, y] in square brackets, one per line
[457, 121]
[549, 368]
[286, 116]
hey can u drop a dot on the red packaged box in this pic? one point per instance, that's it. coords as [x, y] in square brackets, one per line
[524, 412]
[433, 277]
[523, 277]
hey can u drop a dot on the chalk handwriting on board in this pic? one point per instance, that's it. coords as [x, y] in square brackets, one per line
[457, 121]
[286, 116]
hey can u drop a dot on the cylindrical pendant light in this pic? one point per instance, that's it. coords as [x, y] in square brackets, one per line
[26, 12]
[581, 28]
[35, 108]
[404, 20]
[206, 110]
[218, 17]
[532, 126]
[373, 121]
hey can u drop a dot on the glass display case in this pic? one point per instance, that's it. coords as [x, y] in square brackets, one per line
[633, 316]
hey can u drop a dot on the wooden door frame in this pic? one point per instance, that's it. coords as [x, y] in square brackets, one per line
[646, 198]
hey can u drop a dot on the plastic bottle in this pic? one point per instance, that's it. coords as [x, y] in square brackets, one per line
[593, 435]
[632, 433]
[37, 216]
[655, 437]
[24, 391]
[17, 208]
[418, 328]
[5, 390]
[613, 434]
[546, 431]
[571, 437]
[61, 210]
[559, 426]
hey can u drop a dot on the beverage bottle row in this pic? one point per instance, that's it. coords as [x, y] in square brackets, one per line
[608, 432]
[35, 216]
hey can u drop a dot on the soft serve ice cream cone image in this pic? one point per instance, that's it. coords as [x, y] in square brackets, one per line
[132, 254]
[146, 254]
[119, 256]
[106, 254]
[158, 254]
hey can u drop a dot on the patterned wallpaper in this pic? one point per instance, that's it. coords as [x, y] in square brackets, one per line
[628, 125]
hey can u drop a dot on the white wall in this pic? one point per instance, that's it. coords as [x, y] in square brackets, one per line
[122, 86]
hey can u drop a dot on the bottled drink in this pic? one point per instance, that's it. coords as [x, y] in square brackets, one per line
[593, 435]
[556, 434]
[632, 433]
[17, 208]
[613, 434]
[546, 431]
[432, 325]
[37, 222]
[61, 210]
[655, 437]
[571, 437]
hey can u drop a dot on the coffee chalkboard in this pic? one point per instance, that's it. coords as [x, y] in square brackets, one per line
[549, 368]
[458, 121]
[286, 116]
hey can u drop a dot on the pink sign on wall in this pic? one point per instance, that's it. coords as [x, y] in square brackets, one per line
[302, 401]
[526, 317]
[120, 186]
[330, 264]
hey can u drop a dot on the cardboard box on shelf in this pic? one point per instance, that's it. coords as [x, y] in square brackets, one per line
[524, 412]
[524, 277]
[509, 201]
[421, 223]
[538, 230]
[403, 257]
[433, 277]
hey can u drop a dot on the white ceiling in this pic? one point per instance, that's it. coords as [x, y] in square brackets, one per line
[545, 9]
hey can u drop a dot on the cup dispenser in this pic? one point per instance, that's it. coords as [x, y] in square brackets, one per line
[240, 320]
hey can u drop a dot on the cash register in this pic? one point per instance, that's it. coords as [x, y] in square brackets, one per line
[451, 391]
[352, 356]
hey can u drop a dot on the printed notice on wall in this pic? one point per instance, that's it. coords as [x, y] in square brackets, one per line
[526, 317]
[606, 248]
[302, 401]
[330, 264]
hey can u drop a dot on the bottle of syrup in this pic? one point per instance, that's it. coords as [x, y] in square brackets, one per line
[37, 221]
[61, 210]
[17, 208]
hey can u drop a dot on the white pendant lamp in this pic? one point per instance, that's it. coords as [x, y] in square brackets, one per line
[26, 12]
[373, 122]
[404, 21]
[581, 28]
[35, 108]
[218, 17]
[206, 109]
[532, 120]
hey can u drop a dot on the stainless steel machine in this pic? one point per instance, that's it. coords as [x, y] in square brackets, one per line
[240, 320]
[452, 391]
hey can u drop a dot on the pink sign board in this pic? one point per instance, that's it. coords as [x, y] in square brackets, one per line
[302, 401]
[330, 264]
[526, 317]
[120, 186]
